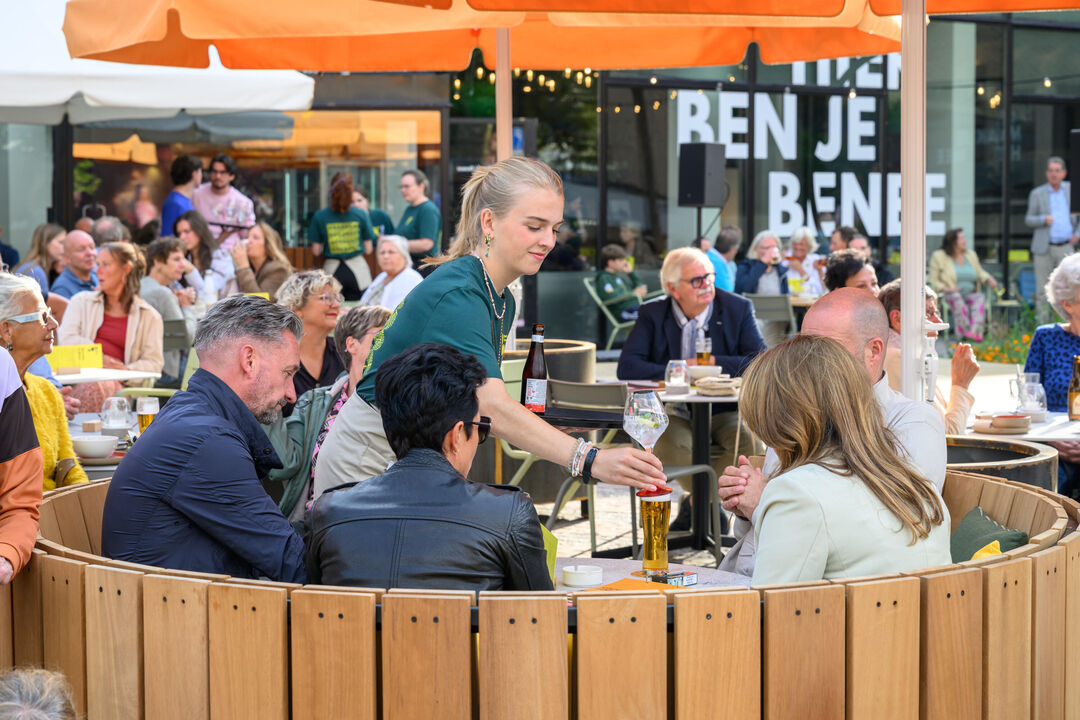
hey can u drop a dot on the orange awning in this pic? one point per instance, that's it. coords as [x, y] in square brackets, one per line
[366, 35]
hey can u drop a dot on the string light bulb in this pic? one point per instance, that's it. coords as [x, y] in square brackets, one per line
[527, 89]
[588, 71]
[1046, 82]
[529, 75]
[980, 90]
[517, 72]
[656, 105]
[457, 83]
[588, 81]
[674, 94]
[599, 109]
[491, 78]
[637, 109]
[457, 96]
[580, 77]
[652, 80]
[617, 109]
[551, 85]
[480, 73]
[541, 79]
[851, 95]
[567, 73]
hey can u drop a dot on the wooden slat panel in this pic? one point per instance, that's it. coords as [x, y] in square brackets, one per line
[64, 622]
[333, 656]
[26, 599]
[249, 653]
[523, 632]
[882, 664]
[951, 645]
[1044, 539]
[426, 657]
[705, 621]
[996, 500]
[7, 637]
[92, 502]
[801, 624]
[1046, 515]
[1071, 543]
[48, 526]
[961, 493]
[1022, 512]
[151, 570]
[610, 630]
[1047, 636]
[176, 650]
[114, 643]
[72, 526]
[1007, 641]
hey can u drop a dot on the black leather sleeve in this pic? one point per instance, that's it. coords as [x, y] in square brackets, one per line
[527, 567]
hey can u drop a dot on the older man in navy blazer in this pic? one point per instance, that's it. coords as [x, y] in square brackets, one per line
[668, 329]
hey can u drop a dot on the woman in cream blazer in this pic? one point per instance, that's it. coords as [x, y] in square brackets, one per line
[96, 315]
[957, 276]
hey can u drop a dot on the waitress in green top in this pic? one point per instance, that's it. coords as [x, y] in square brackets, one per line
[421, 223]
[509, 214]
[342, 234]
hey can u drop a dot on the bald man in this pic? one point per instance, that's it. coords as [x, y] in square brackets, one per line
[856, 320]
[80, 254]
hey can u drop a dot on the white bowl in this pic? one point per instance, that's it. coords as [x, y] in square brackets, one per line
[700, 371]
[94, 446]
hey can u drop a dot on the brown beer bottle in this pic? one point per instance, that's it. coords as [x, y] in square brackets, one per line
[534, 377]
[1074, 390]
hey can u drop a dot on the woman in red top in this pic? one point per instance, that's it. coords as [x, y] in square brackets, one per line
[128, 329]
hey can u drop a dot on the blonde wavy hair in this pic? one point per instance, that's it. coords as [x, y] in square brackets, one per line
[496, 188]
[831, 418]
[274, 249]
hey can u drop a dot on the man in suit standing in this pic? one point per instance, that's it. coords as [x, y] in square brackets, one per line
[1055, 233]
[669, 328]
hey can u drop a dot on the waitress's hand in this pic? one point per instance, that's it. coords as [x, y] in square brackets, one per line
[629, 466]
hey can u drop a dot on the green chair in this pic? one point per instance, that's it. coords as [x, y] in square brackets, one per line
[606, 305]
[189, 370]
[774, 308]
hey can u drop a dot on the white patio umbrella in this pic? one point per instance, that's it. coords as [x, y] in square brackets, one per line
[40, 82]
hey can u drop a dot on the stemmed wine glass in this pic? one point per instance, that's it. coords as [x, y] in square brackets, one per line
[644, 418]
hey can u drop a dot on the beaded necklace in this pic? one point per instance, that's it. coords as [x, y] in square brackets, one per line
[496, 336]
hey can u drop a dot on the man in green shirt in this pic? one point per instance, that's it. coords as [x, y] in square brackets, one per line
[421, 223]
[617, 280]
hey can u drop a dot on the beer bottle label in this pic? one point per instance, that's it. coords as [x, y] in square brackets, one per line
[1074, 404]
[535, 394]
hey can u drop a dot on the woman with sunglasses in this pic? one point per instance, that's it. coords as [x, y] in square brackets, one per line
[421, 523]
[316, 298]
[27, 331]
[510, 213]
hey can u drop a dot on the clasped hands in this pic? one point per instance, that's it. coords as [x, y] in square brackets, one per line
[740, 487]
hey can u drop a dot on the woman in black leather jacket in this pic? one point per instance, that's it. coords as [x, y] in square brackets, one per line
[422, 524]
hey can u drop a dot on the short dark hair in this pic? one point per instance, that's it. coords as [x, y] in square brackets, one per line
[612, 251]
[161, 249]
[847, 233]
[889, 295]
[728, 238]
[423, 392]
[842, 265]
[225, 160]
[183, 168]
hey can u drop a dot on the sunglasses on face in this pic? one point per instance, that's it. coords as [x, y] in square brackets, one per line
[42, 316]
[483, 427]
[700, 281]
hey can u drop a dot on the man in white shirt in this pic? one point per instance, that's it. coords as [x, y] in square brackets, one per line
[856, 320]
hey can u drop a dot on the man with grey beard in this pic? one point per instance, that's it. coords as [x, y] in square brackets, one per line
[189, 495]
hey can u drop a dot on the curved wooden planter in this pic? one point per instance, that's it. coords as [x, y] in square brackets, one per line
[1026, 462]
[571, 360]
[994, 638]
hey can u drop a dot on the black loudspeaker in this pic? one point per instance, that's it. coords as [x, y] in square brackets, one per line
[701, 175]
[1074, 168]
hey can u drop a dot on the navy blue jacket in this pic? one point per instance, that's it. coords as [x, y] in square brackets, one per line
[188, 496]
[656, 338]
[750, 272]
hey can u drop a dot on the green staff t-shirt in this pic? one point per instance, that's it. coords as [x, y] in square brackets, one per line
[381, 222]
[450, 307]
[421, 221]
[341, 234]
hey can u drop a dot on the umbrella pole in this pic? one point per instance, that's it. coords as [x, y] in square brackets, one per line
[913, 188]
[504, 99]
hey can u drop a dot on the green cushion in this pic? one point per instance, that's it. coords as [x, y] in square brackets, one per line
[977, 530]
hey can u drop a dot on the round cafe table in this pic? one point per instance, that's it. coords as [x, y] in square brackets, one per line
[617, 569]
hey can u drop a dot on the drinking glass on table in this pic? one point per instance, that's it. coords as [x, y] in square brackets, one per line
[146, 408]
[703, 350]
[644, 420]
[677, 374]
[115, 413]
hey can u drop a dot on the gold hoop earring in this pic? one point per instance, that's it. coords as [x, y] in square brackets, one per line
[487, 243]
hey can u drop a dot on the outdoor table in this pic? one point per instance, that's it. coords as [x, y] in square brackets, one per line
[700, 417]
[96, 468]
[617, 569]
[1057, 428]
[88, 375]
[803, 301]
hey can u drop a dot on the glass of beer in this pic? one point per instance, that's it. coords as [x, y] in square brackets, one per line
[703, 347]
[655, 515]
[146, 408]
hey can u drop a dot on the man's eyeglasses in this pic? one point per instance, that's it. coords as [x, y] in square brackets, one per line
[483, 426]
[42, 316]
[330, 298]
[700, 281]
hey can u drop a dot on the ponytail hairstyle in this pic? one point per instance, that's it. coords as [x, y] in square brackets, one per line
[341, 190]
[124, 253]
[496, 188]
